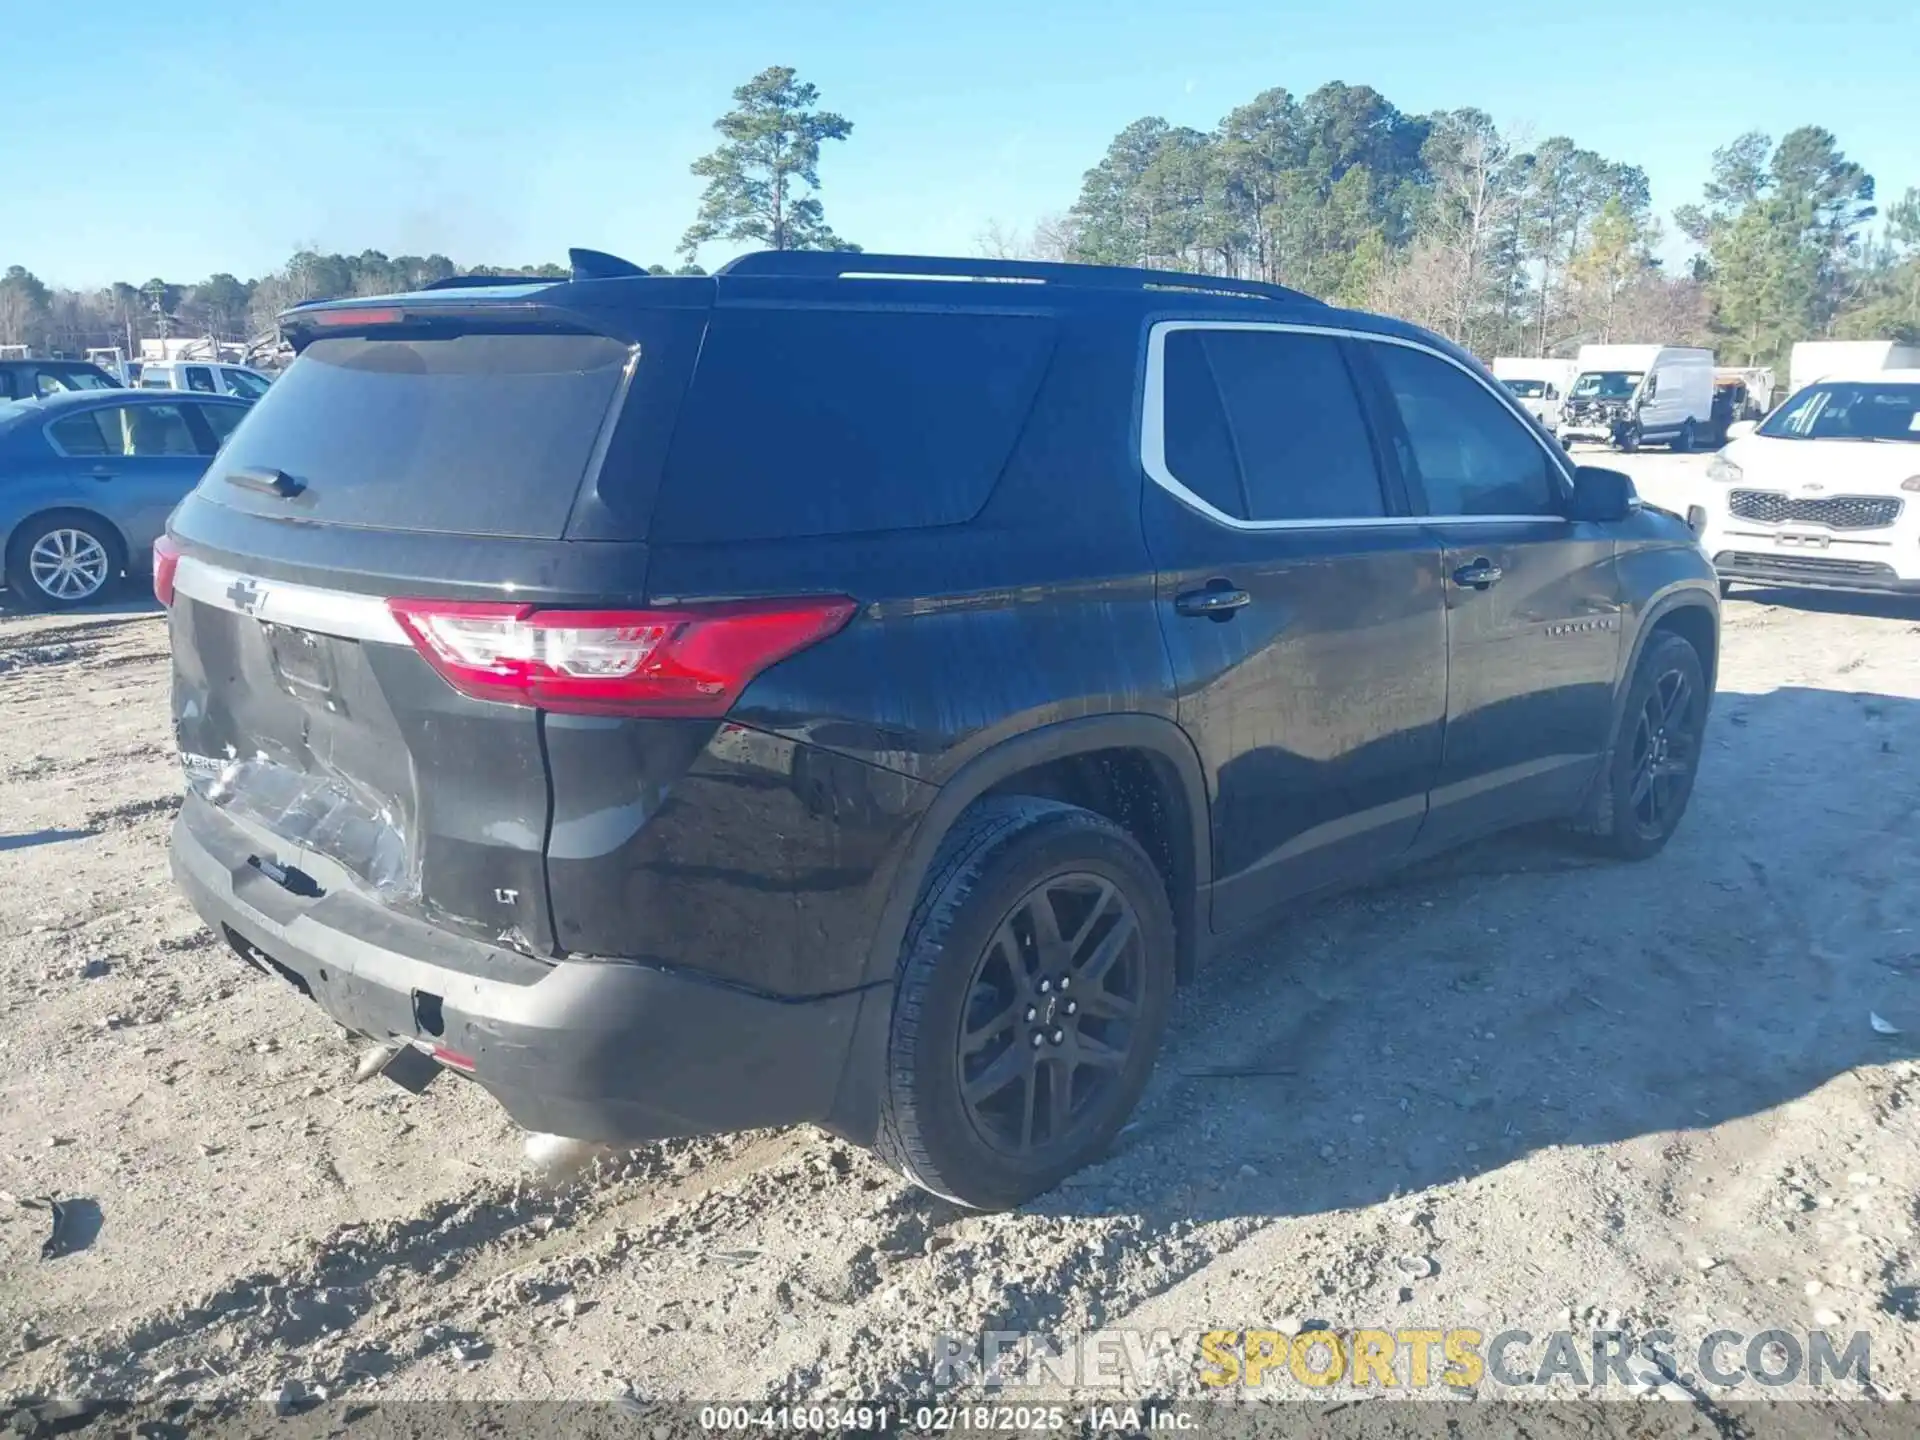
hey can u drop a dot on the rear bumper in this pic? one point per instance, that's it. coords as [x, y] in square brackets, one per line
[598, 1050]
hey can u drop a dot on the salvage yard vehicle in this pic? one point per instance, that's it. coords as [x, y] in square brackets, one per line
[1825, 492]
[1539, 385]
[855, 689]
[28, 379]
[87, 479]
[1633, 395]
[205, 376]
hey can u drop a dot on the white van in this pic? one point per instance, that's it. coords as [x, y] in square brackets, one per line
[1539, 385]
[204, 376]
[1634, 395]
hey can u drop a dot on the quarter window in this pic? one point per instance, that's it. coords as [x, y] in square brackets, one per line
[1464, 450]
[1265, 425]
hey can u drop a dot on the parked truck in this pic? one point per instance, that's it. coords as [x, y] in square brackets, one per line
[1812, 359]
[1631, 395]
[1539, 385]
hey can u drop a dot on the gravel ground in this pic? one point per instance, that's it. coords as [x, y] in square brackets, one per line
[1516, 1088]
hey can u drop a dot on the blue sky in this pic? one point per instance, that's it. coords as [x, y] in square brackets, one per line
[504, 133]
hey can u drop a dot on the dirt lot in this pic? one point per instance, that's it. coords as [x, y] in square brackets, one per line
[1514, 1089]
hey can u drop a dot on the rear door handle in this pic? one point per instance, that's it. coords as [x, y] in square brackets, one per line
[1480, 575]
[1217, 602]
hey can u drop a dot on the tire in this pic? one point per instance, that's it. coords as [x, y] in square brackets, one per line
[37, 572]
[944, 1123]
[1628, 439]
[1683, 442]
[1623, 822]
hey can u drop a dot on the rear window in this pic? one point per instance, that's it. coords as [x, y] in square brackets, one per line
[478, 434]
[833, 422]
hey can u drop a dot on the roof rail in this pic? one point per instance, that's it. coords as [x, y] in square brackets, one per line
[598, 265]
[854, 264]
[476, 282]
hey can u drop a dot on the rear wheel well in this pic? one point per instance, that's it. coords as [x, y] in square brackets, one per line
[1139, 791]
[1694, 624]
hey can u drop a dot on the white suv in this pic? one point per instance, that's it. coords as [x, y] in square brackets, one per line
[1825, 492]
[204, 376]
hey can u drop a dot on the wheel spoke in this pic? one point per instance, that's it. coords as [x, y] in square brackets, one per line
[1099, 1054]
[1098, 909]
[1059, 1098]
[1094, 971]
[1101, 1004]
[976, 1040]
[1642, 784]
[1006, 1069]
[1028, 1102]
[1046, 926]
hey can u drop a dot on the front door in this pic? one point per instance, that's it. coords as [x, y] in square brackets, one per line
[1302, 606]
[1532, 601]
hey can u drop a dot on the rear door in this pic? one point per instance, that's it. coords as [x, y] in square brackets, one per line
[1532, 599]
[439, 462]
[132, 463]
[1302, 607]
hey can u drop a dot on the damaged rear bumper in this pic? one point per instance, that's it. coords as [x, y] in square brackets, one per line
[608, 1051]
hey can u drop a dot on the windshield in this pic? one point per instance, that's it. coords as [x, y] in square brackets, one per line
[1849, 411]
[1527, 389]
[1605, 385]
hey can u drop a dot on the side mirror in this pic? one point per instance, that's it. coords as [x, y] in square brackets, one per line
[1740, 429]
[1600, 494]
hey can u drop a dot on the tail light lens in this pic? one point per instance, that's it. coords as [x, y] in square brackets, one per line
[693, 661]
[166, 561]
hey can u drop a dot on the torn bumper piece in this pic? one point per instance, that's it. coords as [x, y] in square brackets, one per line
[609, 1051]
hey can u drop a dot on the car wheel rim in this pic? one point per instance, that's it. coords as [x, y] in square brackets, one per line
[1051, 1014]
[68, 564]
[1665, 746]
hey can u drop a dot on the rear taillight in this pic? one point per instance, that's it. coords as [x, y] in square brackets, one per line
[693, 661]
[166, 560]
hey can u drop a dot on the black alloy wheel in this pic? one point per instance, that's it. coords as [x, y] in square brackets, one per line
[1051, 1013]
[1666, 747]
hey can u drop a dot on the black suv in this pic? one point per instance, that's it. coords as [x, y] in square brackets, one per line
[857, 689]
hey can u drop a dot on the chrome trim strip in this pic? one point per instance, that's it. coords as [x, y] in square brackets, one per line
[299, 607]
[1153, 436]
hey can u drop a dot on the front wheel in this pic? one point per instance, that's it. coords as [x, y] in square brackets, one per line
[1627, 437]
[1655, 753]
[63, 559]
[1033, 987]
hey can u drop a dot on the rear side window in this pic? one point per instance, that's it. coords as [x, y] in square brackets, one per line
[832, 422]
[1266, 425]
[478, 434]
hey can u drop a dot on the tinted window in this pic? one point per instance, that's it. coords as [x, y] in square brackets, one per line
[83, 435]
[136, 430]
[461, 434]
[1463, 448]
[221, 419]
[1283, 439]
[822, 422]
[200, 378]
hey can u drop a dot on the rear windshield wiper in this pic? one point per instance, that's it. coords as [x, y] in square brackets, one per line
[268, 482]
